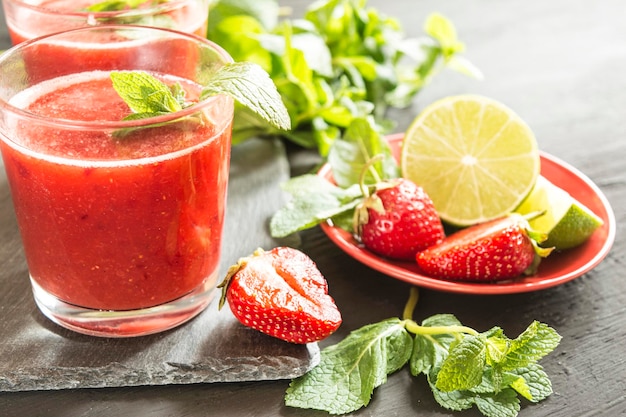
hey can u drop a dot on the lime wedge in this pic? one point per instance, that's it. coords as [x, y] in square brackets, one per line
[475, 157]
[567, 222]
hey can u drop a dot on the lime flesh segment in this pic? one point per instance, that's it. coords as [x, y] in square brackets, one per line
[567, 222]
[476, 158]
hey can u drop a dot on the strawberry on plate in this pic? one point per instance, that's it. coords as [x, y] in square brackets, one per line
[496, 250]
[398, 220]
[281, 293]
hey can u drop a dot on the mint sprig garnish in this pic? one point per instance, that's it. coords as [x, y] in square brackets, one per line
[463, 367]
[117, 5]
[251, 86]
[146, 95]
[245, 82]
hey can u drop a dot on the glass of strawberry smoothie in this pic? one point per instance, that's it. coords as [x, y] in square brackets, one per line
[121, 221]
[28, 19]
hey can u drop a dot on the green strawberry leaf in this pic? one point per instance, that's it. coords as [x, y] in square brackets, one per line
[349, 372]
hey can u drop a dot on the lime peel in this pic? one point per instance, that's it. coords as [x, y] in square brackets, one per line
[567, 222]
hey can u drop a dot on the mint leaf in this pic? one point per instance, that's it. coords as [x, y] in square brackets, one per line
[452, 400]
[464, 366]
[491, 404]
[151, 19]
[252, 87]
[313, 200]
[444, 32]
[502, 404]
[531, 345]
[264, 11]
[247, 83]
[116, 5]
[536, 384]
[349, 372]
[429, 351]
[145, 94]
[349, 155]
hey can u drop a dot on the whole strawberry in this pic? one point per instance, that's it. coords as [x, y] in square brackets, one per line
[398, 220]
[496, 250]
[281, 293]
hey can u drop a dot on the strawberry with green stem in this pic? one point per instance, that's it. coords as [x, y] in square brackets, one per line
[398, 219]
[496, 250]
[281, 293]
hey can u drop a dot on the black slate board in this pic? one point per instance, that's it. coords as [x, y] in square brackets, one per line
[39, 355]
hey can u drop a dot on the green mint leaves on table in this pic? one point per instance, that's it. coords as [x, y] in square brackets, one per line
[245, 82]
[463, 367]
[338, 62]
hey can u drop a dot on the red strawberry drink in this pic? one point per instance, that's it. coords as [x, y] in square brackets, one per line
[119, 219]
[28, 19]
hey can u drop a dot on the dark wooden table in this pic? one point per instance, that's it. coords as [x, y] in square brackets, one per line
[562, 66]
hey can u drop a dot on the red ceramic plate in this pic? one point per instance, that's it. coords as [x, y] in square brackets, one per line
[556, 269]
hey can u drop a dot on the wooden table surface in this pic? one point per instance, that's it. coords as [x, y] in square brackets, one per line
[559, 64]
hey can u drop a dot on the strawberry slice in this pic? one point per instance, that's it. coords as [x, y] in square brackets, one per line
[496, 250]
[398, 220]
[281, 293]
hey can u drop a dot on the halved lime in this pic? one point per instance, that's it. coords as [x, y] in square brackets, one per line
[474, 156]
[567, 222]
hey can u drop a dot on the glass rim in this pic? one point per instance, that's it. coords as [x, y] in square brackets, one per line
[6, 106]
[162, 7]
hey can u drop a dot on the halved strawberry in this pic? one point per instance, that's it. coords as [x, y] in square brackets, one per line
[398, 220]
[282, 293]
[496, 250]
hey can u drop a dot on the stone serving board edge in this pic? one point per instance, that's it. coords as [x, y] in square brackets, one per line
[214, 347]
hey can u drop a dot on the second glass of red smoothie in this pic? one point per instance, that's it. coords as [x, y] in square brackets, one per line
[121, 221]
[28, 19]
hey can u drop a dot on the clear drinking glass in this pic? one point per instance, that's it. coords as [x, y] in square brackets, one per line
[28, 19]
[121, 221]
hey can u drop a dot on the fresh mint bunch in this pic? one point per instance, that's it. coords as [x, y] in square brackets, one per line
[464, 367]
[338, 62]
[245, 82]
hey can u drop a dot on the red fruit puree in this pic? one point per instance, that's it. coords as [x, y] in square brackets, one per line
[110, 222]
[61, 15]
